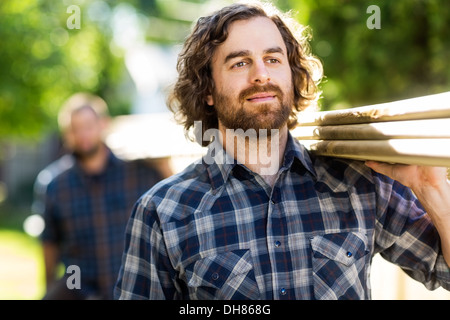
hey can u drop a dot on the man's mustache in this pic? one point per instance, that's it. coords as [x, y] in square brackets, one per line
[243, 96]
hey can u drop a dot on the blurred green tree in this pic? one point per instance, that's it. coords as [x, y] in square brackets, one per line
[43, 61]
[45, 57]
[407, 57]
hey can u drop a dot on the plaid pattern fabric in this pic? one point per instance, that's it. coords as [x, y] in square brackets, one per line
[86, 217]
[218, 231]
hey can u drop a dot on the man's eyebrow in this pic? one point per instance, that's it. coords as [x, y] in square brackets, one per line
[235, 54]
[245, 53]
[274, 50]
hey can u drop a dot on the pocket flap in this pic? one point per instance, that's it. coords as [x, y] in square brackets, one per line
[345, 247]
[214, 271]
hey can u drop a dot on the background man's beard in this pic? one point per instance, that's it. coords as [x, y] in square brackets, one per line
[267, 116]
[86, 154]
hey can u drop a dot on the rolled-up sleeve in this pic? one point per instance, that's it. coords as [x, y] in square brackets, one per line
[406, 236]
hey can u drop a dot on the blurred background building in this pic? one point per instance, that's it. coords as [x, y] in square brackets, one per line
[125, 52]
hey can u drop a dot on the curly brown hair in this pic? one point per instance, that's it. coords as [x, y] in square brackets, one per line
[188, 98]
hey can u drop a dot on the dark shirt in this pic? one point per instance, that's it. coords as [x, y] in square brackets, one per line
[86, 216]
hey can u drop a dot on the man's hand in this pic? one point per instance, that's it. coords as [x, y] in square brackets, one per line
[412, 176]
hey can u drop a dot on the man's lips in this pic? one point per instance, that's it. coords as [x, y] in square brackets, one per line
[261, 97]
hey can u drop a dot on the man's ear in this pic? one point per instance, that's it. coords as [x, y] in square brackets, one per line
[209, 100]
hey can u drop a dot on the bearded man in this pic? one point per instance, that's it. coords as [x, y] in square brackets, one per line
[87, 197]
[227, 228]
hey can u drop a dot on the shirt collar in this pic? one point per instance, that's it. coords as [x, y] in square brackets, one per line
[219, 164]
[295, 153]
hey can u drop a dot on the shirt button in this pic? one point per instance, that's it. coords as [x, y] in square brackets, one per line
[277, 244]
[272, 201]
[349, 254]
[283, 291]
[215, 276]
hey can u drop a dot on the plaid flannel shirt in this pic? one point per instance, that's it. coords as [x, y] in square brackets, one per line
[219, 231]
[86, 216]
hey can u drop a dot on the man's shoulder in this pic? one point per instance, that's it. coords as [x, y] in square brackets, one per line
[193, 180]
[142, 168]
[340, 172]
[56, 171]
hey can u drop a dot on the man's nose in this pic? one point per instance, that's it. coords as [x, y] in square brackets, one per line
[259, 73]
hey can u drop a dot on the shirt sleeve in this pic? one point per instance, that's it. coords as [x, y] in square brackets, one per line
[406, 236]
[51, 232]
[146, 271]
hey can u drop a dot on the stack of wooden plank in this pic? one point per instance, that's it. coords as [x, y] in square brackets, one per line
[411, 131]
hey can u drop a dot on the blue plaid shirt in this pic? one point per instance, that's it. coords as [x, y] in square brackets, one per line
[219, 231]
[86, 216]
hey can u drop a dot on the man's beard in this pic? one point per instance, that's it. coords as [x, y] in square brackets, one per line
[87, 154]
[265, 115]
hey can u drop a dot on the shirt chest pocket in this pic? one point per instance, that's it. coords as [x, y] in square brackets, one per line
[224, 276]
[340, 266]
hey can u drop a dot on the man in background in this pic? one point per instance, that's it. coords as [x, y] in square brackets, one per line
[87, 203]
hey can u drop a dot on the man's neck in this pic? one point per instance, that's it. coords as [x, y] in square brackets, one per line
[262, 154]
[95, 163]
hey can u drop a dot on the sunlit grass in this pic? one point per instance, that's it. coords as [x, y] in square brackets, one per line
[21, 266]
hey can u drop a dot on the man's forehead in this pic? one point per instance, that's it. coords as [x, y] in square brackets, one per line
[255, 35]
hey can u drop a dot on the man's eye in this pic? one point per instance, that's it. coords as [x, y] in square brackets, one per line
[273, 60]
[240, 64]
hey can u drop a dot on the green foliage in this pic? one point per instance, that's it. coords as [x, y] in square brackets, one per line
[42, 62]
[407, 57]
